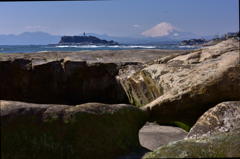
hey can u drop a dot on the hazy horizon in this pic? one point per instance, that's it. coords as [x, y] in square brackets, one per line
[119, 18]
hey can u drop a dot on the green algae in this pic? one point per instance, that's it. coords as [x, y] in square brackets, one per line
[27, 139]
[175, 123]
[220, 145]
[136, 103]
[182, 125]
[75, 136]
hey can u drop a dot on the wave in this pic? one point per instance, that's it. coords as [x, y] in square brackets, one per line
[80, 46]
[45, 48]
[187, 46]
[132, 46]
[145, 47]
[44, 51]
[62, 46]
[114, 46]
[107, 46]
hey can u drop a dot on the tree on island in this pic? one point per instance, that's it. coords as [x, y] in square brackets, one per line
[72, 40]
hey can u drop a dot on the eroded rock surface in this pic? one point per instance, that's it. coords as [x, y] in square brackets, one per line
[223, 118]
[186, 86]
[91, 130]
[215, 135]
[71, 77]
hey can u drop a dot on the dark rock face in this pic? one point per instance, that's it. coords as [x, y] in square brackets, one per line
[69, 82]
[84, 40]
[215, 135]
[91, 130]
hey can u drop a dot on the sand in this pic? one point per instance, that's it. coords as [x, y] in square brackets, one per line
[153, 136]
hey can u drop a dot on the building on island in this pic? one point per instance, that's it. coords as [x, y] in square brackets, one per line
[232, 34]
[193, 41]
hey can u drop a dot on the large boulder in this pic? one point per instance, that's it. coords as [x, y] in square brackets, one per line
[62, 82]
[215, 134]
[186, 86]
[145, 85]
[91, 130]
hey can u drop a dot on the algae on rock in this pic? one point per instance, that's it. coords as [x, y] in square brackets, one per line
[91, 130]
[215, 135]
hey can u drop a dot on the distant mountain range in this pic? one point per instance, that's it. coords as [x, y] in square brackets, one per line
[163, 33]
[28, 38]
[41, 38]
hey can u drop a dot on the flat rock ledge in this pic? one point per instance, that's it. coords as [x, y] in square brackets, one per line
[91, 130]
[72, 78]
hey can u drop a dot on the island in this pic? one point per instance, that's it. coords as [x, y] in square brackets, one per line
[84, 40]
[193, 42]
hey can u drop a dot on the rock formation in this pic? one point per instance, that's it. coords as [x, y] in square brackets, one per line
[182, 87]
[91, 130]
[70, 77]
[168, 85]
[215, 135]
[223, 118]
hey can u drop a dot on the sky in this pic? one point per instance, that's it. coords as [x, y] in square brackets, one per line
[123, 18]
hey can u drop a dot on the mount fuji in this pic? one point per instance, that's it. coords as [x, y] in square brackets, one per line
[167, 30]
[162, 29]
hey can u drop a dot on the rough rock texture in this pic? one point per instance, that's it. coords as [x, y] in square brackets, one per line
[70, 77]
[91, 130]
[186, 86]
[216, 134]
[69, 82]
[223, 118]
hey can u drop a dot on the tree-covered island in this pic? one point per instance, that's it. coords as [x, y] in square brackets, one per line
[84, 40]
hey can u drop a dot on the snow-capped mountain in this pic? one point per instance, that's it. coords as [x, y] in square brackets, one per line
[167, 30]
[161, 29]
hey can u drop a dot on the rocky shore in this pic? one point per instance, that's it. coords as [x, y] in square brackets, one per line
[92, 104]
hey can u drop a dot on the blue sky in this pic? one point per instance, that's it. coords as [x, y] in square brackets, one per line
[119, 17]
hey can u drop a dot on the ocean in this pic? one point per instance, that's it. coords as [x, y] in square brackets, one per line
[44, 48]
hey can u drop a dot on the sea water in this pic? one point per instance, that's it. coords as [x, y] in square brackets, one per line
[45, 48]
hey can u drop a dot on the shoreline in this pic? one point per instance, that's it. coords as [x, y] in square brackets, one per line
[209, 43]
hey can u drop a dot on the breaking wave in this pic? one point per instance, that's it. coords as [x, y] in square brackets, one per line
[106, 46]
[187, 46]
[45, 48]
